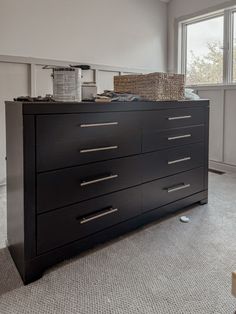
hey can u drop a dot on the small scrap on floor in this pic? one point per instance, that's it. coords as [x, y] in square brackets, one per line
[184, 219]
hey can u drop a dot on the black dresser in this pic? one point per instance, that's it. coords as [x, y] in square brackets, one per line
[79, 174]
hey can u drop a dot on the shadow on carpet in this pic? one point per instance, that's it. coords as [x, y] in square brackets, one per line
[10, 278]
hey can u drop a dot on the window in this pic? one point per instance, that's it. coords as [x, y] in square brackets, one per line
[204, 61]
[208, 49]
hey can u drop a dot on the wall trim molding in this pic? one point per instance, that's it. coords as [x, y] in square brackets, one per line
[212, 87]
[41, 61]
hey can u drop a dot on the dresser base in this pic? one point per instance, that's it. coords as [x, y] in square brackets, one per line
[35, 268]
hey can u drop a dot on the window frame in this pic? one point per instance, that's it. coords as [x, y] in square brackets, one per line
[228, 34]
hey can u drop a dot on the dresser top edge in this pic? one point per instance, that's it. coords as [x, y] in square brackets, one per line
[93, 107]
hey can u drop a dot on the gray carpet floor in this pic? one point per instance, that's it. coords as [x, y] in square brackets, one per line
[166, 267]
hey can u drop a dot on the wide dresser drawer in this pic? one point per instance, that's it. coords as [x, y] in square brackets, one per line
[68, 224]
[63, 187]
[172, 118]
[153, 140]
[171, 161]
[74, 139]
[164, 191]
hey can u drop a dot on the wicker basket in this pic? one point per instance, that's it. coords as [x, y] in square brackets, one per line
[153, 86]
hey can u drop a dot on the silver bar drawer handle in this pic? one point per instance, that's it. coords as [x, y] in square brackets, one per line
[179, 137]
[92, 125]
[105, 213]
[179, 118]
[178, 188]
[99, 180]
[178, 160]
[91, 150]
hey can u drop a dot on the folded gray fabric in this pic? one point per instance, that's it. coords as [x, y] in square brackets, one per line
[120, 97]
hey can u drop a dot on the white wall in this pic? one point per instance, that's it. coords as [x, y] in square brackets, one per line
[179, 8]
[222, 126]
[127, 33]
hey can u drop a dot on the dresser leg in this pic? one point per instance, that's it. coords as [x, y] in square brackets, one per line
[29, 278]
[32, 274]
[204, 201]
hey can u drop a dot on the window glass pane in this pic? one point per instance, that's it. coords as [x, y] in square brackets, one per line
[204, 64]
[234, 48]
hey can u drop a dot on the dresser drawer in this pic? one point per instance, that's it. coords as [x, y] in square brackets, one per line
[71, 223]
[157, 140]
[172, 118]
[64, 187]
[161, 192]
[73, 139]
[171, 161]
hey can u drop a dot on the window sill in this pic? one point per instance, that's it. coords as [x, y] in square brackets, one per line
[212, 86]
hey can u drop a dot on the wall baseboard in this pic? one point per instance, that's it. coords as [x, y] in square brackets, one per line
[221, 166]
[234, 284]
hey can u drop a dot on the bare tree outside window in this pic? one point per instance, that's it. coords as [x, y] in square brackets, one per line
[204, 64]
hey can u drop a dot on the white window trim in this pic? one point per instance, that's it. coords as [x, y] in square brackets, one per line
[181, 40]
